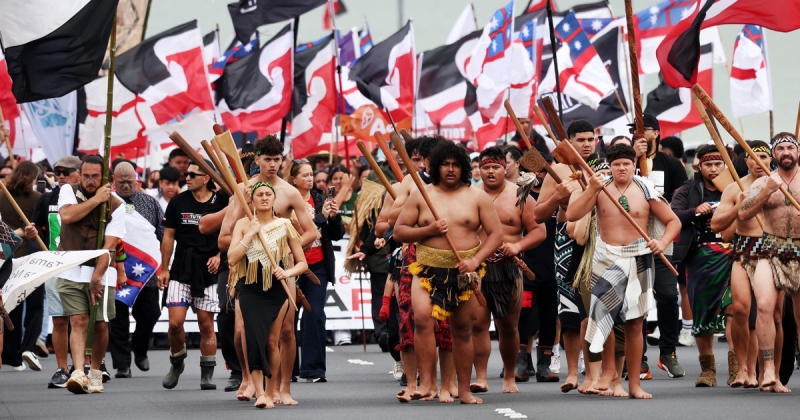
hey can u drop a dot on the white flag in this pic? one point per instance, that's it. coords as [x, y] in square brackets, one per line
[464, 26]
[53, 122]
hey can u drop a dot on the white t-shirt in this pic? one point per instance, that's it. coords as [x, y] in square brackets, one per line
[116, 228]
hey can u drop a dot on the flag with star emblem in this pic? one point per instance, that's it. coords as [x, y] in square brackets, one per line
[655, 22]
[143, 256]
[592, 26]
[582, 73]
[751, 90]
[489, 67]
[234, 53]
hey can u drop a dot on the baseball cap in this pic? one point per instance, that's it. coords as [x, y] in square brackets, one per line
[68, 162]
[649, 121]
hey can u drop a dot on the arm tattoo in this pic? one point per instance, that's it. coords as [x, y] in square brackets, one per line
[751, 198]
[768, 355]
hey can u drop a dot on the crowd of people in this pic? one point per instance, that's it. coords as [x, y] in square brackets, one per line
[545, 253]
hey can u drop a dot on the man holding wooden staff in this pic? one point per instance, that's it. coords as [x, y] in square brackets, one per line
[746, 246]
[554, 198]
[269, 156]
[502, 284]
[779, 256]
[622, 269]
[88, 284]
[441, 286]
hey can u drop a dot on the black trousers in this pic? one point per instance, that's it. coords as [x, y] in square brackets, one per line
[377, 284]
[665, 291]
[120, 340]
[546, 301]
[786, 368]
[226, 326]
[14, 342]
[393, 328]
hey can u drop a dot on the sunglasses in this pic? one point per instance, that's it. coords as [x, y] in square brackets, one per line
[299, 161]
[64, 171]
[193, 175]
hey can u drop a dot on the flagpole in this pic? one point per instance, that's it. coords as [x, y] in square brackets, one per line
[637, 93]
[549, 8]
[219, 42]
[474, 15]
[285, 120]
[341, 85]
[8, 141]
[101, 227]
[147, 19]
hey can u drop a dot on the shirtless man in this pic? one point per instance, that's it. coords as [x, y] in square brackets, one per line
[502, 284]
[623, 262]
[746, 244]
[556, 197]
[464, 211]
[441, 328]
[268, 152]
[779, 256]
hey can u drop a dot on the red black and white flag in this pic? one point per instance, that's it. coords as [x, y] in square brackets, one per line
[680, 52]
[248, 15]
[54, 47]
[314, 97]
[338, 9]
[386, 73]
[254, 93]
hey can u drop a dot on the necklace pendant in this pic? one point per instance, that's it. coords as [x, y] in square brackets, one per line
[789, 190]
[623, 201]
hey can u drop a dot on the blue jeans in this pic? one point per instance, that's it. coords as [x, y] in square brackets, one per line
[312, 324]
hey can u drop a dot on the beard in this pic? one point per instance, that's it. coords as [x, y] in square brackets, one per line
[787, 166]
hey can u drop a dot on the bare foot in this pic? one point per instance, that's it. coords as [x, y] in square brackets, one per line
[453, 391]
[428, 396]
[780, 389]
[570, 384]
[619, 391]
[601, 392]
[639, 394]
[751, 382]
[478, 388]
[286, 399]
[261, 402]
[470, 399]
[246, 391]
[277, 397]
[769, 379]
[510, 386]
[404, 396]
[585, 386]
[445, 397]
[739, 380]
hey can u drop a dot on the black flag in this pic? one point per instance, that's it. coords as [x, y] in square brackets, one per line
[248, 15]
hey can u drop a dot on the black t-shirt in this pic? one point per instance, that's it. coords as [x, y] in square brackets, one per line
[703, 223]
[183, 214]
[540, 259]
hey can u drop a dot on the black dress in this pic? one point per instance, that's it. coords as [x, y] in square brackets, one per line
[259, 310]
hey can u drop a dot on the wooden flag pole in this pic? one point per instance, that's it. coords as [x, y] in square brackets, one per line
[8, 141]
[421, 187]
[712, 130]
[376, 169]
[637, 93]
[20, 213]
[574, 156]
[726, 124]
[797, 123]
[551, 27]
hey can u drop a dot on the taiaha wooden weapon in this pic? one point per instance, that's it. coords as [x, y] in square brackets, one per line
[398, 173]
[726, 124]
[199, 161]
[421, 187]
[567, 153]
[4, 315]
[534, 158]
[406, 135]
[20, 213]
[712, 130]
[212, 155]
[559, 127]
[637, 95]
[376, 169]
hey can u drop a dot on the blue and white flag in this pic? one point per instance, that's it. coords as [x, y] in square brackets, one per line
[53, 121]
[143, 256]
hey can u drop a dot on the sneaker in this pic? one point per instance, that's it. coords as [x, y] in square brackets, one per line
[644, 373]
[403, 380]
[59, 379]
[685, 338]
[96, 382]
[398, 371]
[41, 348]
[669, 363]
[316, 379]
[19, 368]
[31, 360]
[104, 370]
[78, 383]
[555, 363]
[652, 338]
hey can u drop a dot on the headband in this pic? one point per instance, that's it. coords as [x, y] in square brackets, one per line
[762, 149]
[601, 166]
[489, 161]
[247, 155]
[710, 157]
[261, 184]
[785, 139]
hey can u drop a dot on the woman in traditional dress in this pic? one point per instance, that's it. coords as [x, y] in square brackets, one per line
[262, 300]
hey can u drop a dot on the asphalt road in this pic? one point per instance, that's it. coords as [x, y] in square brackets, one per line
[366, 391]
